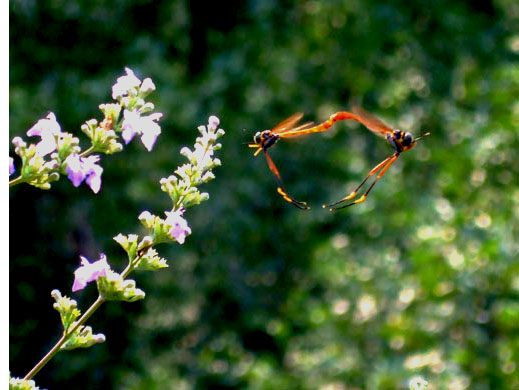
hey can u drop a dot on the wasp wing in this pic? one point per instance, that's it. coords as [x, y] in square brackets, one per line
[287, 124]
[373, 123]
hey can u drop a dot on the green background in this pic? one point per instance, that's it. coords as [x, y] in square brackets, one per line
[422, 278]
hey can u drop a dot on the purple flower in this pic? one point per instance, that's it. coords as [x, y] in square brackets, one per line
[75, 173]
[47, 128]
[89, 272]
[11, 166]
[84, 168]
[179, 227]
[134, 123]
[125, 83]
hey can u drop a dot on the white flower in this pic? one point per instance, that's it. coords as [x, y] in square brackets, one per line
[202, 155]
[47, 129]
[124, 84]
[418, 383]
[134, 123]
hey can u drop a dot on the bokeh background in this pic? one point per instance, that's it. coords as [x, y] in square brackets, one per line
[421, 279]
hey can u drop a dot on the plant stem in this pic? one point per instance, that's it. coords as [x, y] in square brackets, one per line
[90, 150]
[80, 322]
[16, 181]
[64, 338]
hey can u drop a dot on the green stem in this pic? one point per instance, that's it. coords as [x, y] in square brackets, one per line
[64, 338]
[90, 150]
[131, 265]
[16, 181]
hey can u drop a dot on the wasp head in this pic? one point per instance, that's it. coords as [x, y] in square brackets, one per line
[401, 140]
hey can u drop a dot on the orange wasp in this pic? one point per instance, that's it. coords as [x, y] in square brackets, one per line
[265, 139]
[401, 141]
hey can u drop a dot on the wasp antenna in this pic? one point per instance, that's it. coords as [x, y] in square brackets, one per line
[422, 136]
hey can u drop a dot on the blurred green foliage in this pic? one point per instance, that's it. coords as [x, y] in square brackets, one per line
[422, 278]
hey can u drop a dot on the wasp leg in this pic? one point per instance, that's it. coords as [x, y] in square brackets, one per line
[382, 167]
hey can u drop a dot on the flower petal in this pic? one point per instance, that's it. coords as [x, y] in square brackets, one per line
[46, 145]
[147, 85]
[179, 227]
[214, 121]
[150, 130]
[89, 272]
[94, 182]
[93, 173]
[47, 125]
[130, 125]
[11, 166]
[124, 84]
[149, 138]
[74, 169]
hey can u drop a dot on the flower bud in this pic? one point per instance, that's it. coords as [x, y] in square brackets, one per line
[147, 219]
[146, 241]
[18, 142]
[122, 240]
[113, 287]
[22, 384]
[111, 110]
[83, 338]
[150, 261]
[214, 122]
[66, 307]
[147, 86]
[147, 107]
[54, 176]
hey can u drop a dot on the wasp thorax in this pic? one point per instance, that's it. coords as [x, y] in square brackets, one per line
[265, 134]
